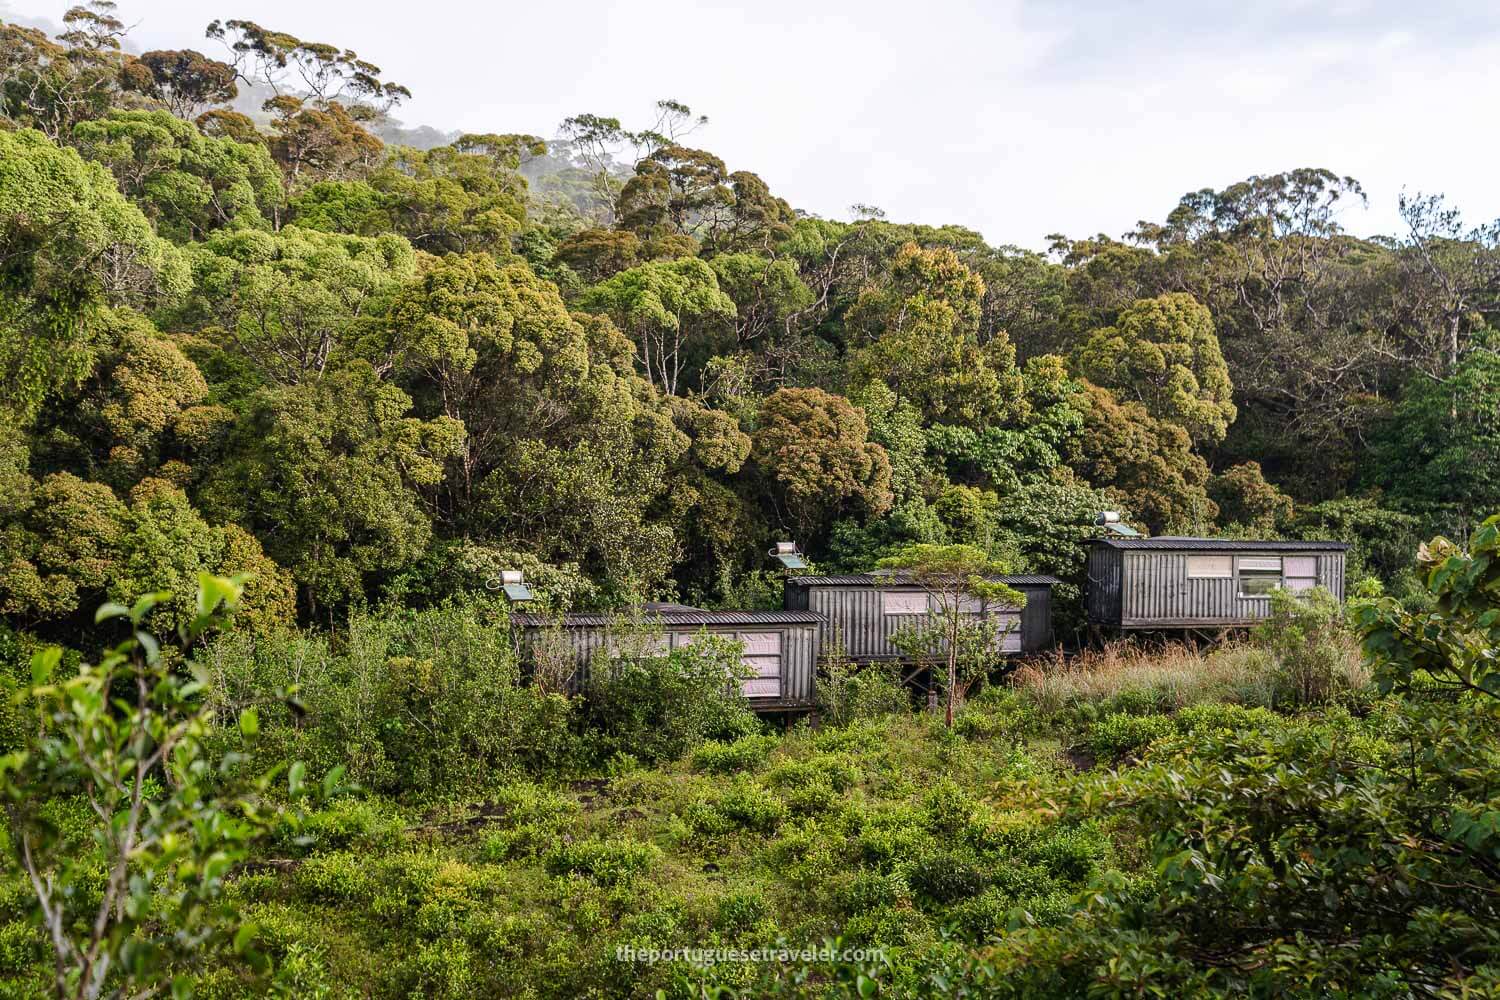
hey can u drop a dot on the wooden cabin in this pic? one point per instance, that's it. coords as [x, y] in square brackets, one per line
[863, 611]
[780, 646]
[1186, 583]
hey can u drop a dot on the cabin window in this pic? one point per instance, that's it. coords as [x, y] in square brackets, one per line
[966, 604]
[1210, 567]
[1259, 575]
[903, 602]
[1300, 573]
[638, 645]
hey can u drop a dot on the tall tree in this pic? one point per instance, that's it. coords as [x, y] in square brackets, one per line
[1163, 354]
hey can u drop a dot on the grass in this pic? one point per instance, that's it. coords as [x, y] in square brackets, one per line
[1126, 676]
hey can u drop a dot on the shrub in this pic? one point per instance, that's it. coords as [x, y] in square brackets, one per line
[744, 754]
[1220, 717]
[1316, 659]
[414, 703]
[946, 876]
[847, 693]
[334, 877]
[657, 708]
[1118, 736]
[604, 862]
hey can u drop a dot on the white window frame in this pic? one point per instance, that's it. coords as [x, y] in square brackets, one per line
[1260, 567]
[903, 602]
[1222, 567]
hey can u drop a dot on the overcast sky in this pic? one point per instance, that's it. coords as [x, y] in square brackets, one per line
[1018, 119]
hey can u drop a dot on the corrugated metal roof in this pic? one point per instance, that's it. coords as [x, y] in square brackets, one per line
[1220, 544]
[669, 619]
[888, 579]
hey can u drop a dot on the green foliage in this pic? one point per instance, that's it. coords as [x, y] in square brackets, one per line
[1164, 354]
[167, 819]
[187, 183]
[744, 754]
[813, 451]
[1117, 737]
[658, 707]
[415, 704]
[333, 467]
[1310, 645]
[62, 224]
[1437, 454]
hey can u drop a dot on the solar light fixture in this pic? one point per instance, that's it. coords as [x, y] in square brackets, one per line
[787, 554]
[515, 590]
[1110, 521]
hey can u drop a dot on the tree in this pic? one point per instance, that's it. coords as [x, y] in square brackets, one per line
[955, 579]
[328, 74]
[1438, 456]
[329, 472]
[922, 329]
[147, 900]
[51, 85]
[187, 82]
[1450, 277]
[676, 190]
[658, 305]
[1163, 354]
[187, 183]
[596, 141]
[1148, 464]
[1247, 501]
[69, 245]
[297, 302]
[813, 451]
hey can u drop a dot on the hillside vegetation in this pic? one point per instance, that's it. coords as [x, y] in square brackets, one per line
[280, 402]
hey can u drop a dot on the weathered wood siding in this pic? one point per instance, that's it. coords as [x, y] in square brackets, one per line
[796, 649]
[1155, 589]
[1102, 587]
[856, 620]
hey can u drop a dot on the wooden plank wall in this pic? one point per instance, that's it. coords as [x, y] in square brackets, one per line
[1156, 589]
[855, 618]
[799, 654]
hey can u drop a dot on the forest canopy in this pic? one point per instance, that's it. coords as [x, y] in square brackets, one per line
[239, 325]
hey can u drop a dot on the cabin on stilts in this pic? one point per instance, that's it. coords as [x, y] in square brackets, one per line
[861, 612]
[780, 648]
[1202, 585]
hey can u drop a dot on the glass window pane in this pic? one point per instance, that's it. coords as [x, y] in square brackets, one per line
[1210, 567]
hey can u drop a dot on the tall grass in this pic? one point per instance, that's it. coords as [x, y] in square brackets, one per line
[1127, 676]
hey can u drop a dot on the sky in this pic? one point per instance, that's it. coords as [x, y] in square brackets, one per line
[1017, 118]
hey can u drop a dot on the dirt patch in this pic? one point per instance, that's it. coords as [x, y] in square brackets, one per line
[1081, 758]
[484, 813]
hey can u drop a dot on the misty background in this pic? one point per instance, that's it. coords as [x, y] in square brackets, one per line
[1018, 119]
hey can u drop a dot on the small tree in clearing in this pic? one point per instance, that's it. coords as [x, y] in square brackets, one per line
[145, 908]
[955, 577]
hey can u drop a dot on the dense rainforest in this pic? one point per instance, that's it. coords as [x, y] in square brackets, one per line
[317, 380]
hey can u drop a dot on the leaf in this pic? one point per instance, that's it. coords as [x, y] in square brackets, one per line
[244, 937]
[250, 722]
[110, 610]
[148, 641]
[43, 662]
[294, 777]
[146, 602]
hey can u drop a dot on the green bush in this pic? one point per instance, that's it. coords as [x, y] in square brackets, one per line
[744, 754]
[745, 805]
[847, 693]
[657, 708]
[1118, 736]
[603, 862]
[414, 704]
[1315, 656]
